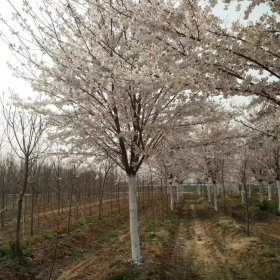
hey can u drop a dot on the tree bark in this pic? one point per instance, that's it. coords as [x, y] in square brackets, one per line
[178, 192]
[261, 192]
[215, 197]
[209, 193]
[134, 235]
[250, 190]
[17, 251]
[243, 193]
[32, 211]
[269, 191]
[278, 189]
[171, 197]
[2, 208]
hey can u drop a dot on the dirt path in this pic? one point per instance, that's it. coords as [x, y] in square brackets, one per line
[202, 252]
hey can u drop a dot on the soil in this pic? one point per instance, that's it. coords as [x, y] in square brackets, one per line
[212, 245]
[194, 242]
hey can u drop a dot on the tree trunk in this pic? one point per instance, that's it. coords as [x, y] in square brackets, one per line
[101, 198]
[199, 190]
[250, 190]
[243, 194]
[171, 197]
[135, 244]
[17, 250]
[32, 211]
[209, 193]
[215, 197]
[247, 210]
[178, 192]
[261, 192]
[2, 208]
[278, 189]
[70, 206]
[269, 191]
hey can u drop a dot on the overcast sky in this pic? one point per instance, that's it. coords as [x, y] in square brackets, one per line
[23, 89]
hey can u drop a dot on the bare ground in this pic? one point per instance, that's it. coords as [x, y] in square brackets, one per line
[193, 243]
[211, 246]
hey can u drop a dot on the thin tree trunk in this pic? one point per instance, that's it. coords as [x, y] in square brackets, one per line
[162, 196]
[119, 204]
[209, 193]
[70, 206]
[2, 208]
[250, 190]
[247, 210]
[171, 197]
[269, 190]
[135, 244]
[32, 211]
[261, 192]
[143, 193]
[278, 189]
[243, 194]
[215, 197]
[17, 250]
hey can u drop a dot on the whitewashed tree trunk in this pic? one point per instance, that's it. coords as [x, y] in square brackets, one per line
[209, 193]
[261, 192]
[171, 197]
[178, 192]
[243, 194]
[134, 235]
[215, 197]
[278, 189]
[218, 190]
[269, 192]
[250, 191]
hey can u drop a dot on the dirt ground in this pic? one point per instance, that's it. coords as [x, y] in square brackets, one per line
[213, 245]
[194, 242]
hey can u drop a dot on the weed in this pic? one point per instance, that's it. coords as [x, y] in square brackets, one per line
[121, 276]
[5, 250]
[76, 252]
[78, 223]
[112, 234]
[108, 236]
[145, 237]
[264, 205]
[49, 235]
[150, 227]
[268, 255]
[26, 242]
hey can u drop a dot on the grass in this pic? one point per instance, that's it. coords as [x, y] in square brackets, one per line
[107, 238]
[268, 255]
[120, 276]
[150, 227]
[5, 250]
[147, 237]
[271, 206]
[77, 252]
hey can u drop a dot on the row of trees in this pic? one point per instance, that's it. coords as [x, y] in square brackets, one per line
[128, 78]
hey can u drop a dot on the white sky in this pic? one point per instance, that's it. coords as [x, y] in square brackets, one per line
[23, 89]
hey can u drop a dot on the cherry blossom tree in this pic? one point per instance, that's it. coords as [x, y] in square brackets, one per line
[108, 89]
